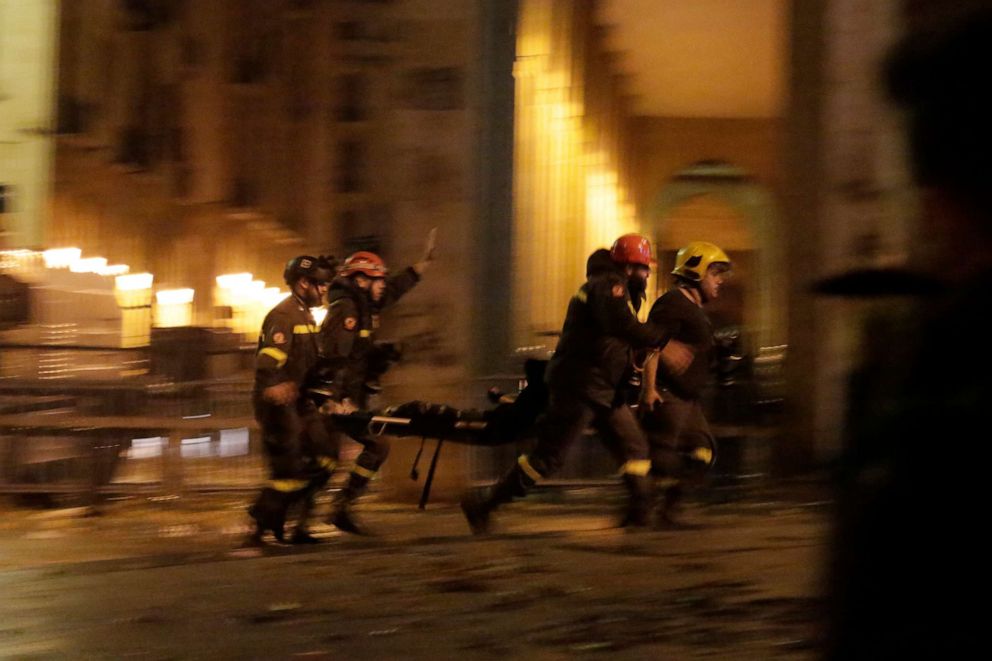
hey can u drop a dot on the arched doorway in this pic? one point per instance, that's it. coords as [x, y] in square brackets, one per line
[708, 217]
[718, 202]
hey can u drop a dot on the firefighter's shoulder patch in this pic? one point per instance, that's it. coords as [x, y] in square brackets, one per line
[278, 338]
[350, 323]
[618, 290]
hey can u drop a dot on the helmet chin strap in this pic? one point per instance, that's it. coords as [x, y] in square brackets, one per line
[692, 290]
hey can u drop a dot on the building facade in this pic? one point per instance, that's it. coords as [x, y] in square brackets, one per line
[201, 138]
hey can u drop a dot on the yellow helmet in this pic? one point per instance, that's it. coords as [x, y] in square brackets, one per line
[693, 260]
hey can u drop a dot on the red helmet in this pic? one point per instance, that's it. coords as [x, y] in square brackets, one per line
[632, 249]
[366, 263]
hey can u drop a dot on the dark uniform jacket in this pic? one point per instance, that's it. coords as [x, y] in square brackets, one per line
[348, 334]
[688, 323]
[600, 333]
[287, 345]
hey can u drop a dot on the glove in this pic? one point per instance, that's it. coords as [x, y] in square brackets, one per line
[331, 407]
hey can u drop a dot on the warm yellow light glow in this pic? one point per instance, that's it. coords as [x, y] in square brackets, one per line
[136, 325]
[114, 269]
[319, 314]
[133, 293]
[134, 281]
[173, 308]
[271, 296]
[174, 296]
[88, 265]
[61, 258]
[229, 290]
[249, 307]
[20, 260]
[248, 299]
[571, 189]
[244, 295]
[231, 280]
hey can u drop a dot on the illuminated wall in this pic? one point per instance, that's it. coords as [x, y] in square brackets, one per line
[571, 159]
[27, 99]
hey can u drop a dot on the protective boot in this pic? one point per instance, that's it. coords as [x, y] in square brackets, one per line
[256, 538]
[342, 516]
[638, 512]
[670, 508]
[301, 533]
[269, 513]
[478, 504]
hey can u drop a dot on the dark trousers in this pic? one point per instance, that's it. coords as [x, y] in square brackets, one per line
[561, 426]
[291, 436]
[566, 420]
[682, 445]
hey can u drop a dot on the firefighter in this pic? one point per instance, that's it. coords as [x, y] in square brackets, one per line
[287, 350]
[353, 361]
[591, 360]
[682, 446]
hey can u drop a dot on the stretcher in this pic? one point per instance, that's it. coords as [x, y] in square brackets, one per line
[505, 423]
[511, 420]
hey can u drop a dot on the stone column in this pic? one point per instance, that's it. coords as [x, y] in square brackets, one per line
[845, 203]
[28, 46]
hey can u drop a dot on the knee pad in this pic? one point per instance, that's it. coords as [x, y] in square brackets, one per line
[530, 470]
[700, 457]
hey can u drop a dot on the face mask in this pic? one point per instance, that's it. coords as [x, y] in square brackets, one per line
[637, 286]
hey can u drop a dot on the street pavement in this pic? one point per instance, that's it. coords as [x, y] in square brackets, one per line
[165, 580]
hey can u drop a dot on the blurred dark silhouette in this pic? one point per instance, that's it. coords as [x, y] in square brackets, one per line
[14, 301]
[907, 549]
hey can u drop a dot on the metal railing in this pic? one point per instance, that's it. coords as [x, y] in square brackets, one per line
[79, 436]
[88, 421]
[91, 455]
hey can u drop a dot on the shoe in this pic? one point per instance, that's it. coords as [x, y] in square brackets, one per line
[670, 511]
[638, 511]
[253, 541]
[343, 519]
[303, 537]
[668, 521]
[276, 522]
[635, 519]
[476, 509]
